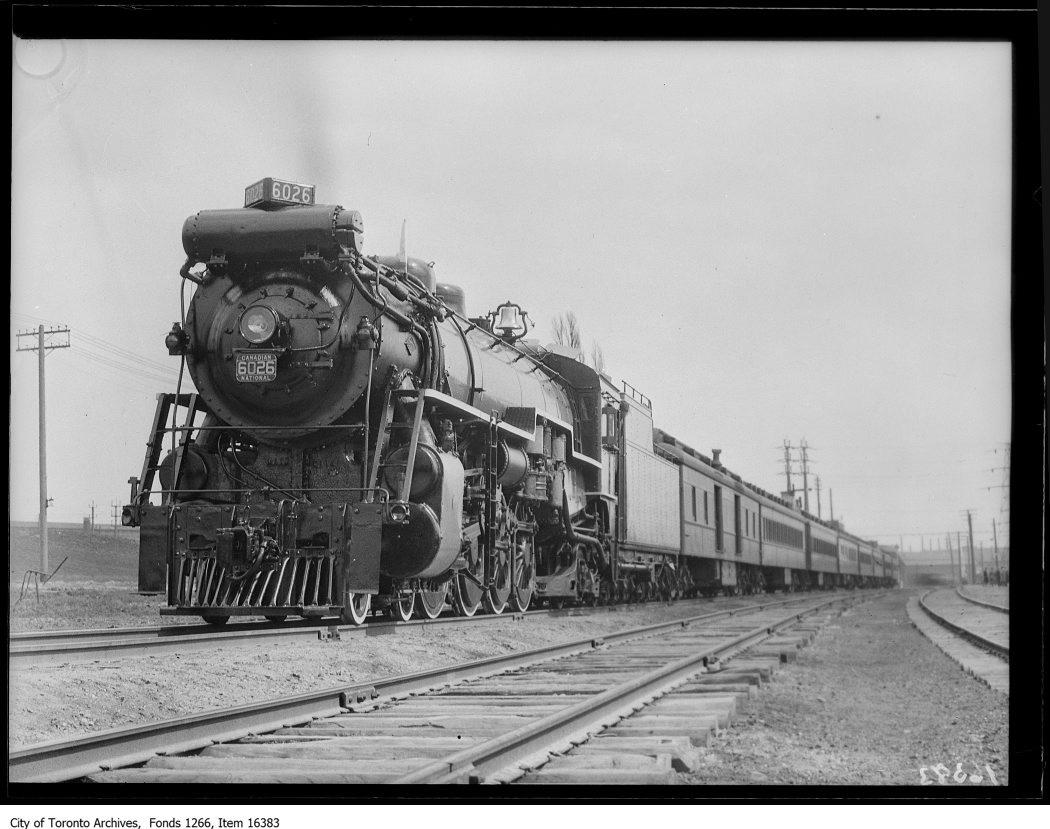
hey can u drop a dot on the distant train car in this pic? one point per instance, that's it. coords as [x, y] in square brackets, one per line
[822, 550]
[849, 560]
[720, 536]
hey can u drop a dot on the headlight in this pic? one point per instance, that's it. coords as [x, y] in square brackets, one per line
[397, 512]
[258, 324]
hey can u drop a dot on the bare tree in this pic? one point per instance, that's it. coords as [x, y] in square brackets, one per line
[597, 357]
[567, 330]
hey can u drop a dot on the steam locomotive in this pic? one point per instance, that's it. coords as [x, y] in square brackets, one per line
[357, 443]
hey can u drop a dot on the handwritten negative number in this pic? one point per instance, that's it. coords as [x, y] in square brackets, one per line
[942, 773]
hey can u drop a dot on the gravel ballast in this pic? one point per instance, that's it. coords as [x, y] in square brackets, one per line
[66, 700]
[871, 702]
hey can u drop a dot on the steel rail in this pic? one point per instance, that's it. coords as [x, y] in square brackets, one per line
[965, 633]
[73, 646]
[989, 605]
[476, 763]
[69, 759]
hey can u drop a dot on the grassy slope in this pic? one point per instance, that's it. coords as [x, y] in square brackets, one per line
[95, 588]
[92, 557]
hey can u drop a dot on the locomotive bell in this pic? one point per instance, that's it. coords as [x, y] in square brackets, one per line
[509, 318]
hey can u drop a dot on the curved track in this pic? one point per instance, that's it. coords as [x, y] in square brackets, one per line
[540, 706]
[984, 627]
[990, 605]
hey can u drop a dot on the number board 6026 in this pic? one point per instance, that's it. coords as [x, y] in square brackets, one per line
[275, 191]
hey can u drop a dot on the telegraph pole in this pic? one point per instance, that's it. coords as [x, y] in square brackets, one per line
[831, 502]
[787, 465]
[42, 347]
[805, 474]
[973, 566]
[995, 541]
[951, 558]
[818, 496]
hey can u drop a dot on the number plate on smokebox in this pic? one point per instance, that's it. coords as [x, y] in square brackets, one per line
[256, 366]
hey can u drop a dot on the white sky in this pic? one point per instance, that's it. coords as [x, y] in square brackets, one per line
[771, 240]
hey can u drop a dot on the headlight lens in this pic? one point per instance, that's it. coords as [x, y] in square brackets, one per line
[258, 324]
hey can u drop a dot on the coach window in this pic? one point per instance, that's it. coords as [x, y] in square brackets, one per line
[693, 495]
[706, 519]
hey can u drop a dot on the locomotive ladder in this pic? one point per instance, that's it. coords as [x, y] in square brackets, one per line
[491, 501]
[386, 425]
[155, 445]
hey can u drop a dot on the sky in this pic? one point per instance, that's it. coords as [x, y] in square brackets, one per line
[775, 241]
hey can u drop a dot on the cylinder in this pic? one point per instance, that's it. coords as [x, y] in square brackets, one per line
[512, 465]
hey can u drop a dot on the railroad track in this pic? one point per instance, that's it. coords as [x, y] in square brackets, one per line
[969, 620]
[487, 721]
[73, 646]
[990, 605]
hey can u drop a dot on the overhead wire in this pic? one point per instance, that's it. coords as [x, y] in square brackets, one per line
[116, 352]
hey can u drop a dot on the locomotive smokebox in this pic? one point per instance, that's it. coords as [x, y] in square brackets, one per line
[245, 235]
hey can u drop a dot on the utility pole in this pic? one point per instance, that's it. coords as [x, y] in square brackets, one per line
[1004, 504]
[818, 496]
[787, 465]
[42, 347]
[995, 541]
[958, 544]
[92, 516]
[805, 473]
[116, 515]
[973, 566]
[951, 558]
[831, 502]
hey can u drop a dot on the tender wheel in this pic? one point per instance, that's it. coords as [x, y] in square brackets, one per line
[402, 606]
[356, 611]
[276, 619]
[431, 600]
[523, 583]
[216, 620]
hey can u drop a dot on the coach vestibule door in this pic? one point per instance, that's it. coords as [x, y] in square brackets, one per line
[719, 538]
